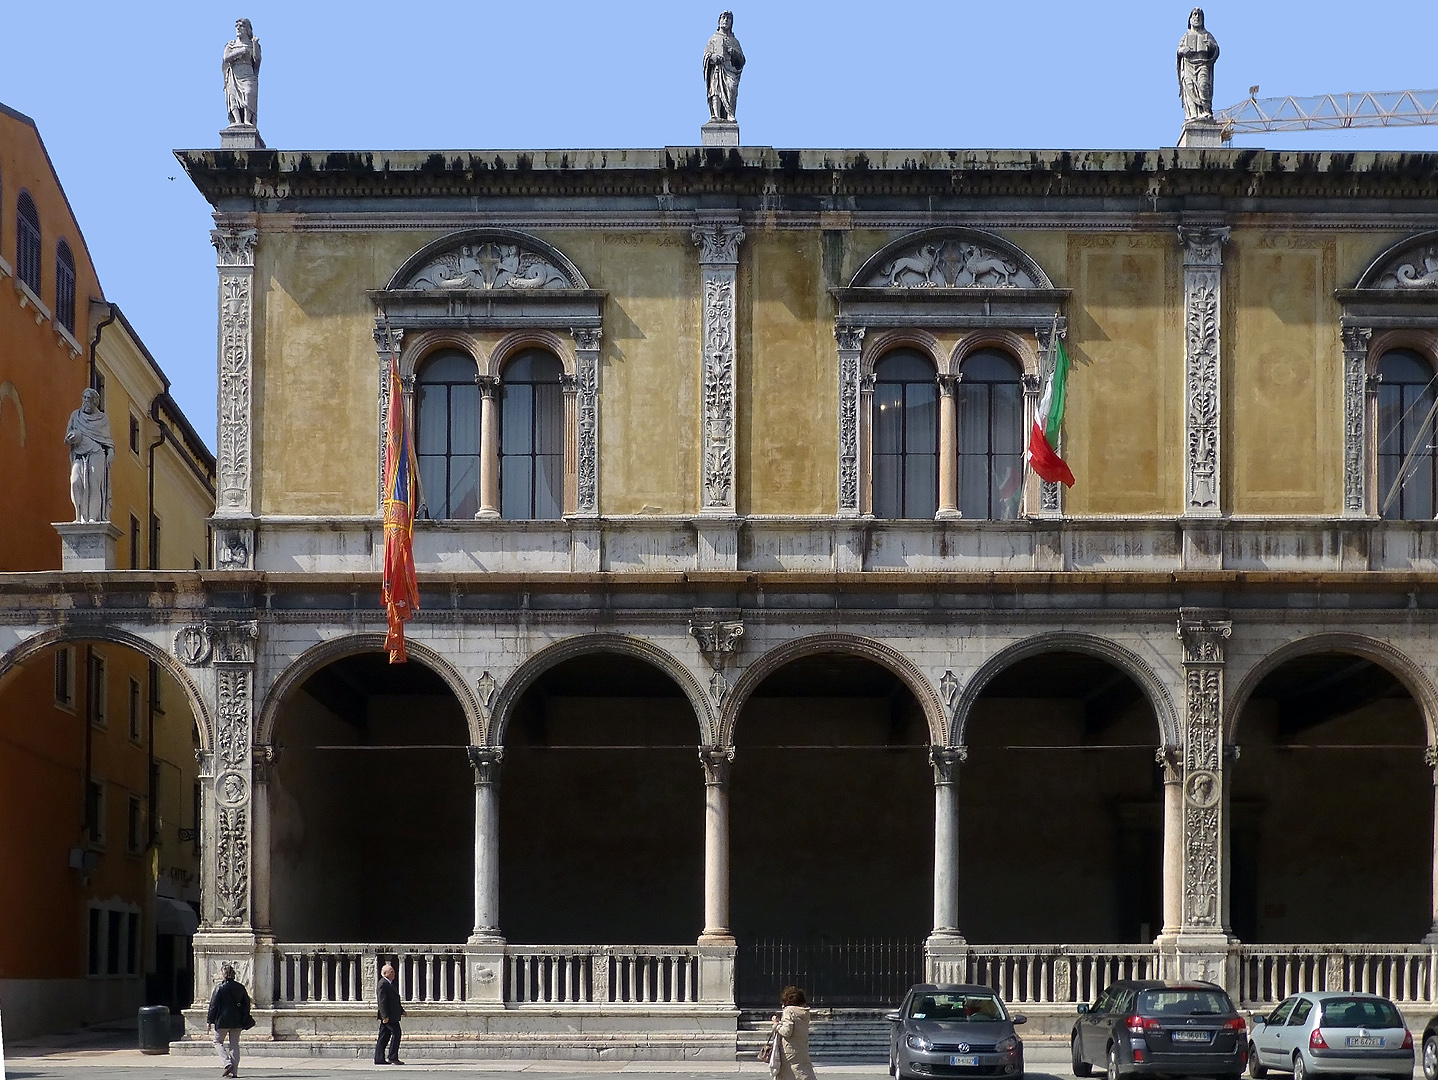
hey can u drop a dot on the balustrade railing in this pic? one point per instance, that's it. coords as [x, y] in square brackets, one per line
[1269, 973]
[333, 974]
[1056, 974]
[601, 974]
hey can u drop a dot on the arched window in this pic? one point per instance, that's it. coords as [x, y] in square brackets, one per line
[446, 409]
[27, 242]
[991, 420]
[65, 286]
[1405, 435]
[531, 437]
[906, 436]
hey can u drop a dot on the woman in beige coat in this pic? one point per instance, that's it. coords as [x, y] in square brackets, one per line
[791, 1038]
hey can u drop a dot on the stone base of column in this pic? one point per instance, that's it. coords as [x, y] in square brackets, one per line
[948, 514]
[1205, 957]
[716, 970]
[217, 947]
[946, 957]
[484, 969]
[87, 545]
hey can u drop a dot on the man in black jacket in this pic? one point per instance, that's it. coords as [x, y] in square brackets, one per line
[228, 1016]
[390, 1010]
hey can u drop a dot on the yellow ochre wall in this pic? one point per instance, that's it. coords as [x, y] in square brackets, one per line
[316, 367]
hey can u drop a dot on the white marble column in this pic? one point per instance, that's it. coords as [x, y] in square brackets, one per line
[946, 761]
[1169, 759]
[488, 446]
[486, 761]
[948, 447]
[1356, 340]
[718, 238]
[717, 762]
[1203, 368]
[234, 528]
[851, 344]
[1430, 756]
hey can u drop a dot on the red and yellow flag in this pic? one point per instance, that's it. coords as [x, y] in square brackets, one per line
[401, 590]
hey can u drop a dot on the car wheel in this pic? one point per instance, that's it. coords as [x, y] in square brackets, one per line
[1430, 1058]
[1256, 1069]
[1114, 1073]
[1081, 1067]
[1300, 1070]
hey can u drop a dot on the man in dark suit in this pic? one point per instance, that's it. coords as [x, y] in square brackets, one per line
[390, 1010]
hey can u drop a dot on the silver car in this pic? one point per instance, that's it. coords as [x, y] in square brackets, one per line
[961, 1030]
[1331, 1033]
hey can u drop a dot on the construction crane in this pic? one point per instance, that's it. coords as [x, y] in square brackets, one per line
[1329, 112]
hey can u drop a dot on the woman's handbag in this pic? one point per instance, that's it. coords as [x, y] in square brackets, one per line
[766, 1052]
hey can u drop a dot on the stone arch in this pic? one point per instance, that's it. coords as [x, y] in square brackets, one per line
[1423, 342]
[1411, 263]
[515, 342]
[1132, 665]
[420, 347]
[1397, 663]
[901, 338]
[1003, 340]
[63, 635]
[9, 393]
[587, 644]
[888, 267]
[317, 656]
[846, 644]
[451, 243]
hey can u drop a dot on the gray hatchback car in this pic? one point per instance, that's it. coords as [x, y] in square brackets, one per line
[958, 1030]
[1331, 1033]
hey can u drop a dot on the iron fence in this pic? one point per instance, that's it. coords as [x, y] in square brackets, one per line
[836, 972]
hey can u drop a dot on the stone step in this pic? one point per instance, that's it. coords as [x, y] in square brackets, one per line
[853, 1036]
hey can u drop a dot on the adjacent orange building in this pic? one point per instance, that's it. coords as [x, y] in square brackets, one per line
[97, 771]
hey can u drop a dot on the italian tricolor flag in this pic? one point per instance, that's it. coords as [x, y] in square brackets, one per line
[1044, 439]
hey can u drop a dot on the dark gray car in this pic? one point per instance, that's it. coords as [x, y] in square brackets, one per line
[957, 1030]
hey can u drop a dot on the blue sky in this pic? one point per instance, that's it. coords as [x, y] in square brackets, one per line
[115, 88]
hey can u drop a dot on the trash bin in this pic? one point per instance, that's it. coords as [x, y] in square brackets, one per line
[155, 1029]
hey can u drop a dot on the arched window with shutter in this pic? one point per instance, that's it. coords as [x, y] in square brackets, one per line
[531, 437]
[905, 436]
[1406, 436]
[65, 286]
[446, 411]
[27, 242]
[991, 449]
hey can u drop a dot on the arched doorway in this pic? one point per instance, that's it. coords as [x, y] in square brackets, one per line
[601, 832]
[1331, 809]
[832, 804]
[372, 807]
[1061, 806]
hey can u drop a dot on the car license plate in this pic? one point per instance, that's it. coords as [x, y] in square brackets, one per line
[1192, 1036]
[957, 1059]
[1365, 1040]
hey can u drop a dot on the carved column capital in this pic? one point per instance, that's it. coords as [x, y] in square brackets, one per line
[948, 384]
[1032, 384]
[488, 385]
[1203, 638]
[235, 247]
[1171, 760]
[1430, 756]
[1203, 243]
[388, 340]
[718, 242]
[946, 761]
[850, 338]
[485, 761]
[717, 762]
[265, 756]
[568, 384]
[1357, 339]
[717, 638]
[586, 338]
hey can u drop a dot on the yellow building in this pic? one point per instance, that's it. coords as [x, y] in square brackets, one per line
[97, 768]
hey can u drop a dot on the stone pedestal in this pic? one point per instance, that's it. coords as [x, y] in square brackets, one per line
[716, 973]
[1201, 133]
[241, 137]
[719, 133]
[484, 961]
[87, 545]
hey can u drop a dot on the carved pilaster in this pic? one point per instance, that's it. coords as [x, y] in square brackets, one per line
[1203, 294]
[388, 342]
[1356, 340]
[235, 251]
[1203, 780]
[718, 640]
[718, 242]
[1050, 492]
[586, 350]
[851, 344]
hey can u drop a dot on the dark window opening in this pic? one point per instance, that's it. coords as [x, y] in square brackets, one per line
[446, 407]
[27, 242]
[531, 440]
[906, 436]
[65, 286]
[991, 452]
[95, 944]
[112, 942]
[1405, 437]
[134, 710]
[134, 433]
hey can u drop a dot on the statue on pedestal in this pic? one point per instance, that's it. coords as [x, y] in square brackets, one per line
[1197, 55]
[242, 75]
[91, 449]
[723, 64]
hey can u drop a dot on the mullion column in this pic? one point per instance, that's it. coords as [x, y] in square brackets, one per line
[234, 530]
[488, 446]
[948, 447]
[946, 951]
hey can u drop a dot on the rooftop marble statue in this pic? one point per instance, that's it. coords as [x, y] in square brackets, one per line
[91, 449]
[241, 66]
[1197, 56]
[723, 64]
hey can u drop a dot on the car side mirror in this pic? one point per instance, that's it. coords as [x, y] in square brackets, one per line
[1082, 1008]
[893, 1017]
[1020, 1018]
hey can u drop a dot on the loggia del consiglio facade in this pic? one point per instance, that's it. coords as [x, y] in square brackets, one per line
[749, 651]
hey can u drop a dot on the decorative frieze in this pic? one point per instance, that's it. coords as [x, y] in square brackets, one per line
[1203, 659]
[1202, 291]
[235, 250]
[851, 344]
[1356, 340]
[719, 260]
[586, 350]
[220, 642]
